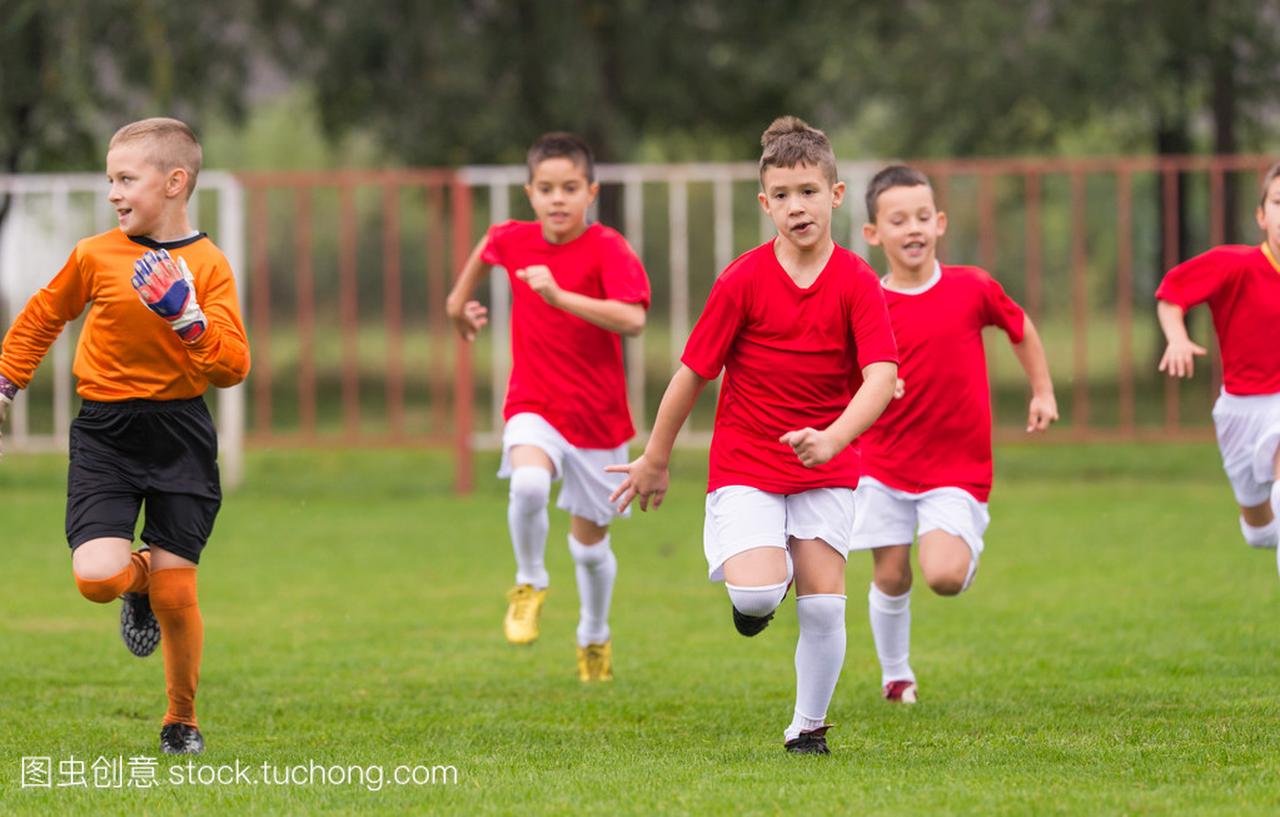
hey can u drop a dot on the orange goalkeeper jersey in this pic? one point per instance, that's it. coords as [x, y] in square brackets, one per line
[126, 351]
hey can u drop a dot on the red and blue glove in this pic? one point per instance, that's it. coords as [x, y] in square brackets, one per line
[168, 289]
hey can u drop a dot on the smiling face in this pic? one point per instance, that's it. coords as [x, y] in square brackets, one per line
[146, 199]
[800, 200]
[907, 225]
[560, 195]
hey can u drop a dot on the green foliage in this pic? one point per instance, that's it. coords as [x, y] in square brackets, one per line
[71, 73]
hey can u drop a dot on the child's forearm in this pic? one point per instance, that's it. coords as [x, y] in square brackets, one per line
[613, 316]
[677, 403]
[1171, 321]
[472, 271]
[868, 403]
[1030, 354]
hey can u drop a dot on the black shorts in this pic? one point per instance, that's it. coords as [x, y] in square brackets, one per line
[161, 452]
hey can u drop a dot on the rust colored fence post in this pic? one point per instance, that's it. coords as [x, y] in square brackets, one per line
[261, 310]
[437, 282]
[1032, 198]
[349, 310]
[304, 270]
[1080, 300]
[1124, 295]
[392, 308]
[463, 399]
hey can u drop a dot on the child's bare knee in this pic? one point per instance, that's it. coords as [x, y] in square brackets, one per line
[893, 581]
[949, 583]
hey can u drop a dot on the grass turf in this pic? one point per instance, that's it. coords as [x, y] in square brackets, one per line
[1118, 654]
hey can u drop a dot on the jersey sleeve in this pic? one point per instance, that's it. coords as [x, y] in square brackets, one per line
[1002, 311]
[221, 352]
[717, 327]
[869, 321]
[493, 245]
[41, 321]
[1193, 281]
[624, 276]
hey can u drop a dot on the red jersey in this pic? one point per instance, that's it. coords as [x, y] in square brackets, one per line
[125, 350]
[1242, 287]
[938, 434]
[792, 358]
[564, 368]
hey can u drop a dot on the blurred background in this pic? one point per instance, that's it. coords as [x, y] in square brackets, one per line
[1080, 149]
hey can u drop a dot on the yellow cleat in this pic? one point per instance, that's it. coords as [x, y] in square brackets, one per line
[595, 662]
[521, 622]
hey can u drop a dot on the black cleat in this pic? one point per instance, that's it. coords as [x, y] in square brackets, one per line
[180, 739]
[139, 629]
[809, 742]
[750, 625]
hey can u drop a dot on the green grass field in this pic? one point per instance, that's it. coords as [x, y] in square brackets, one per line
[1119, 654]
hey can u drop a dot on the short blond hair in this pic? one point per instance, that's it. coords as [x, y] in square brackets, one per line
[170, 143]
[790, 141]
[1270, 176]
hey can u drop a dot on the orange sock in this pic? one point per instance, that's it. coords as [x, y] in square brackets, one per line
[173, 600]
[133, 579]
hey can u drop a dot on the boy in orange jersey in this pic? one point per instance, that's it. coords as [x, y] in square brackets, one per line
[1241, 284]
[576, 288]
[927, 460]
[163, 325]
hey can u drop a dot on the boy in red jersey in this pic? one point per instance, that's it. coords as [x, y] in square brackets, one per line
[1242, 287]
[927, 460]
[163, 325]
[576, 288]
[799, 328]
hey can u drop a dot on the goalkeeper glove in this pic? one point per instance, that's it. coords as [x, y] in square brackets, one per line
[168, 289]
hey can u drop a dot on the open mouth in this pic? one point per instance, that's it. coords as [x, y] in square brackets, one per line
[802, 228]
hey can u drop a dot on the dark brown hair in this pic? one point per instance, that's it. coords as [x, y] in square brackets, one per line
[892, 176]
[562, 145]
[790, 141]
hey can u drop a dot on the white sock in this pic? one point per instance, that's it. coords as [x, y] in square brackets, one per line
[1263, 536]
[819, 657]
[596, 568]
[756, 601]
[527, 519]
[891, 629]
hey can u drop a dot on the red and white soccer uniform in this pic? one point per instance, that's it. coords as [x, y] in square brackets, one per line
[563, 368]
[939, 433]
[792, 358]
[1241, 285]
[567, 392]
[927, 459]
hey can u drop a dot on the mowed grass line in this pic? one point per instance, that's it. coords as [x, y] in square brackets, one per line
[1118, 654]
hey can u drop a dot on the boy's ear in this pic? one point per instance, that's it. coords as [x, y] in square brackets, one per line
[941, 220]
[871, 234]
[837, 194]
[175, 184]
[594, 190]
[764, 201]
[1261, 218]
[528, 191]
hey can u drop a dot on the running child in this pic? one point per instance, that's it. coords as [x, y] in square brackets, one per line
[927, 460]
[163, 326]
[799, 328]
[576, 288]
[1241, 285]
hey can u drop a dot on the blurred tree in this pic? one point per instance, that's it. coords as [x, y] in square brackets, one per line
[447, 82]
[72, 72]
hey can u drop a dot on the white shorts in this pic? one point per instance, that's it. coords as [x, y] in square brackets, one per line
[740, 518]
[886, 516]
[586, 487]
[1248, 433]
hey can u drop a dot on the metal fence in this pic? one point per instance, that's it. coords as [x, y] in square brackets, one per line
[347, 273]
